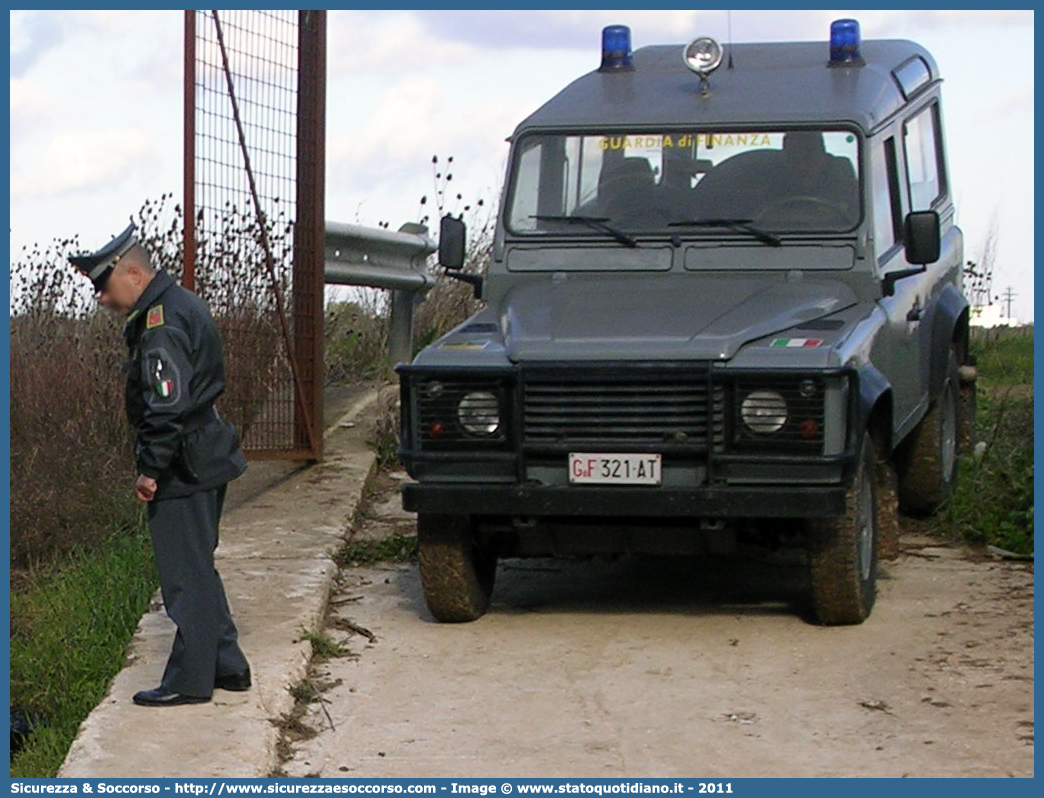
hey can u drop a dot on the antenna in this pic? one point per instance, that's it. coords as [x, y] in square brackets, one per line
[728, 17]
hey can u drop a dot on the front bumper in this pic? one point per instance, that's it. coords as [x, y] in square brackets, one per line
[593, 501]
[685, 412]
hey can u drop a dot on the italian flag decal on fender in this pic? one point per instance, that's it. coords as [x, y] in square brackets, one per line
[797, 343]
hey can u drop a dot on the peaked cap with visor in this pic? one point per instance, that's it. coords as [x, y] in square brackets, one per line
[99, 265]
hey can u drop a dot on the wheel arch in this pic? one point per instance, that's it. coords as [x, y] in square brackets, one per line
[949, 334]
[875, 403]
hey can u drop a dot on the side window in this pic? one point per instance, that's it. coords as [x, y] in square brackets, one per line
[888, 212]
[924, 177]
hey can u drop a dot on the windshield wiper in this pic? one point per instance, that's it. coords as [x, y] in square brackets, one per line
[741, 225]
[599, 223]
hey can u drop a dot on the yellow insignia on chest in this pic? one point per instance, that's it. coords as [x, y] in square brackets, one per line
[155, 317]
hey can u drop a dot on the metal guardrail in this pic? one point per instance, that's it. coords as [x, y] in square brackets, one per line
[379, 258]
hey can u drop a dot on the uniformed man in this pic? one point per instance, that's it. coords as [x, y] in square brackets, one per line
[186, 455]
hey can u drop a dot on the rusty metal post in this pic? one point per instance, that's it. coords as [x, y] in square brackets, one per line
[188, 263]
[310, 230]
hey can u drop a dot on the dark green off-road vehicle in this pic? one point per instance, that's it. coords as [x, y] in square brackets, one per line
[724, 304]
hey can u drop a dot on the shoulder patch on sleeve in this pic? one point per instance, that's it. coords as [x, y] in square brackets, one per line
[155, 317]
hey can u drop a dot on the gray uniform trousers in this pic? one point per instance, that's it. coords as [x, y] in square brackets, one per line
[184, 536]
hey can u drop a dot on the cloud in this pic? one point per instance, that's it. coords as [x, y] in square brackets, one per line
[416, 38]
[785, 25]
[387, 42]
[78, 160]
[435, 37]
[1014, 103]
[33, 35]
[411, 122]
[941, 20]
[159, 66]
[117, 25]
[31, 104]
[379, 162]
[415, 42]
[498, 30]
[563, 30]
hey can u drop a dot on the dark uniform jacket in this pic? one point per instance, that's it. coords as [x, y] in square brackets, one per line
[174, 375]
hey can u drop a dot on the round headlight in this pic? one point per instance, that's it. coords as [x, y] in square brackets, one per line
[702, 55]
[764, 411]
[479, 413]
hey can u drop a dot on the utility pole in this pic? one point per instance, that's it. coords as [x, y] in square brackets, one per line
[1009, 295]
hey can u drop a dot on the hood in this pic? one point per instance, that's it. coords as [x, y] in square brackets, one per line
[658, 317]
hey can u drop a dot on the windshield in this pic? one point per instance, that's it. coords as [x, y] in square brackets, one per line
[687, 183]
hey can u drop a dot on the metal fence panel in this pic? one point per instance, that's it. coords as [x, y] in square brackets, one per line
[254, 177]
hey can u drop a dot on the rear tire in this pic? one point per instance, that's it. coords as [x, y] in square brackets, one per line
[968, 376]
[456, 570]
[842, 551]
[928, 461]
[889, 528]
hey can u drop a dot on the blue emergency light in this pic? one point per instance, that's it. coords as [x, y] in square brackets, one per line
[844, 43]
[616, 49]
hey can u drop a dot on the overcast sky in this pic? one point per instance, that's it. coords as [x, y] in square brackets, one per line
[96, 103]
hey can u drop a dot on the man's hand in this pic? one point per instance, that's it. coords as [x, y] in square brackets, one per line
[145, 488]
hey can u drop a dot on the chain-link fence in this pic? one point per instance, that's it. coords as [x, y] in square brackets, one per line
[254, 141]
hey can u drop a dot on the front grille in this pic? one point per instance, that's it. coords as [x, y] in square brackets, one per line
[574, 407]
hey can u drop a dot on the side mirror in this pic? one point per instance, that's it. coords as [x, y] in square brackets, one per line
[921, 241]
[452, 237]
[921, 237]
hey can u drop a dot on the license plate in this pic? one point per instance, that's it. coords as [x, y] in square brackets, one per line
[614, 469]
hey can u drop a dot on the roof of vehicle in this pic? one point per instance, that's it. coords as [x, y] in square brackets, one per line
[769, 83]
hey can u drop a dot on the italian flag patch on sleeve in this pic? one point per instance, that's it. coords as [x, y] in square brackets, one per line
[165, 388]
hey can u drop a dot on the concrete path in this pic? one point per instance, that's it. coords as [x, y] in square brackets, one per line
[275, 561]
[675, 667]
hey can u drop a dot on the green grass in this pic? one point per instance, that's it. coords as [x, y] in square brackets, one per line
[993, 502]
[385, 447]
[324, 647]
[397, 548]
[384, 437]
[71, 623]
[1005, 357]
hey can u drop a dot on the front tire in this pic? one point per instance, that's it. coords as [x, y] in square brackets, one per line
[456, 569]
[928, 465]
[842, 552]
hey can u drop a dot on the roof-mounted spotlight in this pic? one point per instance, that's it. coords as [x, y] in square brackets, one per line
[616, 49]
[703, 56]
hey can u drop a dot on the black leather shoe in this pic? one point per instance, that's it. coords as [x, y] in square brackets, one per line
[162, 697]
[234, 681]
